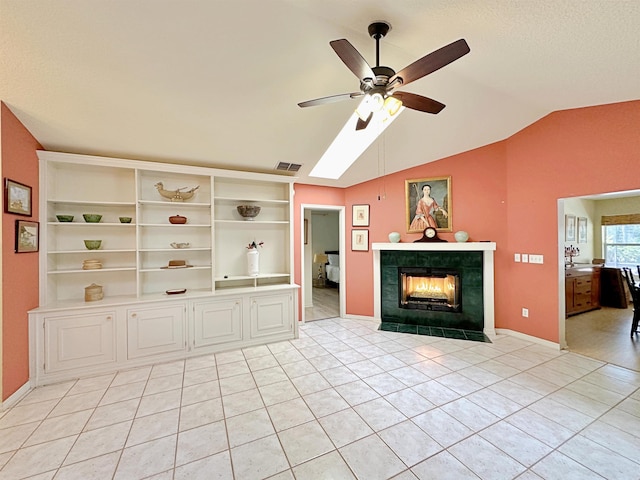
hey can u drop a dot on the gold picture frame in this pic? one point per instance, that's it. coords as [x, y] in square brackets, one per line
[428, 208]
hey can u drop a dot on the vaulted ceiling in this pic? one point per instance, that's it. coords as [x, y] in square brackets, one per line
[217, 83]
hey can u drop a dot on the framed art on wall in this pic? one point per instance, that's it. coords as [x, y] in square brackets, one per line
[582, 229]
[428, 204]
[360, 240]
[360, 216]
[17, 198]
[569, 228]
[27, 234]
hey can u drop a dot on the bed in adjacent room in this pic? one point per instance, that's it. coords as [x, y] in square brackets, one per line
[332, 268]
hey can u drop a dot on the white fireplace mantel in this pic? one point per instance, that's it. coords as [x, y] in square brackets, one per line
[487, 248]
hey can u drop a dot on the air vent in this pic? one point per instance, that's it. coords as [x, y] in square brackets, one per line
[288, 167]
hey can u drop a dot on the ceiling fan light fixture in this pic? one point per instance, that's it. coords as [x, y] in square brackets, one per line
[392, 105]
[370, 103]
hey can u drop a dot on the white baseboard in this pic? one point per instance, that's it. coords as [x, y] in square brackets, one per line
[524, 336]
[16, 397]
[361, 317]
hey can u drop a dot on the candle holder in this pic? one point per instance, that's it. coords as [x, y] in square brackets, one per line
[570, 252]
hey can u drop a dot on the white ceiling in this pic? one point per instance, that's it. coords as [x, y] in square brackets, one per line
[217, 83]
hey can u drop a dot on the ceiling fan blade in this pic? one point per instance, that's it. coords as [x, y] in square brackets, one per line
[432, 62]
[362, 124]
[352, 59]
[418, 102]
[331, 99]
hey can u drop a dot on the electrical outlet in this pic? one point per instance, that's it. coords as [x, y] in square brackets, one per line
[525, 258]
[516, 257]
[525, 312]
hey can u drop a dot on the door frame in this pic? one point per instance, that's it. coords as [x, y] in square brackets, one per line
[341, 234]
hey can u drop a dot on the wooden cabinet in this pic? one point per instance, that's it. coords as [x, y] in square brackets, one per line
[582, 289]
[68, 343]
[156, 330]
[80, 340]
[216, 322]
[271, 314]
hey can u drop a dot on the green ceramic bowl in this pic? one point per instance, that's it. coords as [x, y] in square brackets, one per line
[91, 217]
[65, 218]
[92, 244]
[125, 219]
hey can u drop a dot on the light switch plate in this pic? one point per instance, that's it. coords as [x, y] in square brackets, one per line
[536, 259]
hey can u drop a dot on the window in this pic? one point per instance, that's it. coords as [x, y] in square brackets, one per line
[622, 245]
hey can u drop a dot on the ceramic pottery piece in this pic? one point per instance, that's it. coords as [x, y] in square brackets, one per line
[248, 212]
[461, 236]
[92, 244]
[92, 217]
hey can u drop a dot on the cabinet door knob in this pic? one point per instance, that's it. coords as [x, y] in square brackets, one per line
[133, 315]
[109, 318]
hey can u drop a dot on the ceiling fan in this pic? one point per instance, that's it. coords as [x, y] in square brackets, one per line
[378, 84]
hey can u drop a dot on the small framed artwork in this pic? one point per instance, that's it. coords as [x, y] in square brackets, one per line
[582, 229]
[27, 236]
[306, 231]
[360, 216]
[569, 228]
[428, 204]
[360, 240]
[17, 198]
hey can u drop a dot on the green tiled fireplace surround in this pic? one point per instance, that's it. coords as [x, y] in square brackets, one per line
[469, 266]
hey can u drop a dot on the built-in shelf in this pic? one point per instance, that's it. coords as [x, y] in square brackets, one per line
[114, 188]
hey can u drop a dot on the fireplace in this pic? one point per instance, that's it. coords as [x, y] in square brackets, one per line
[437, 289]
[467, 267]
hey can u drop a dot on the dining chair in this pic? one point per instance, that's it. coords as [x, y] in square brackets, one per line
[634, 289]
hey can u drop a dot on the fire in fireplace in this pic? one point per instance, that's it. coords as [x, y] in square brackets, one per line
[436, 289]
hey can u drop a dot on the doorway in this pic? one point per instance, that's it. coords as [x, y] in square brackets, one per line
[322, 262]
[602, 334]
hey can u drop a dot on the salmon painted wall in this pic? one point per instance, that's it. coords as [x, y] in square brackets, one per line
[477, 205]
[565, 154]
[507, 192]
[19, 270]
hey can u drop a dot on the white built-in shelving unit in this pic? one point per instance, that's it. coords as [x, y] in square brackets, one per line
[138, 321]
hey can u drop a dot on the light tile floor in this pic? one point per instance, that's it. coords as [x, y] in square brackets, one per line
[344, 401]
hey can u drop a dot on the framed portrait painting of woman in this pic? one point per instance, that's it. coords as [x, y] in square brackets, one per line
[428, 202]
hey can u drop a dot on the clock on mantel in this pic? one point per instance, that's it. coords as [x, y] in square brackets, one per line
[430, 234]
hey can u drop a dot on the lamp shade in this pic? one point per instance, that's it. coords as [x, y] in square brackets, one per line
[320, 258]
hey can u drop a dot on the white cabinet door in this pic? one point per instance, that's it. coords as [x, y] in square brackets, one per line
[155, 330]
[76, 341]
[216, 322]
[271, 314]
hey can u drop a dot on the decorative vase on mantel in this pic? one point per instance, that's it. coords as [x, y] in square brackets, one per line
[253, 262]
